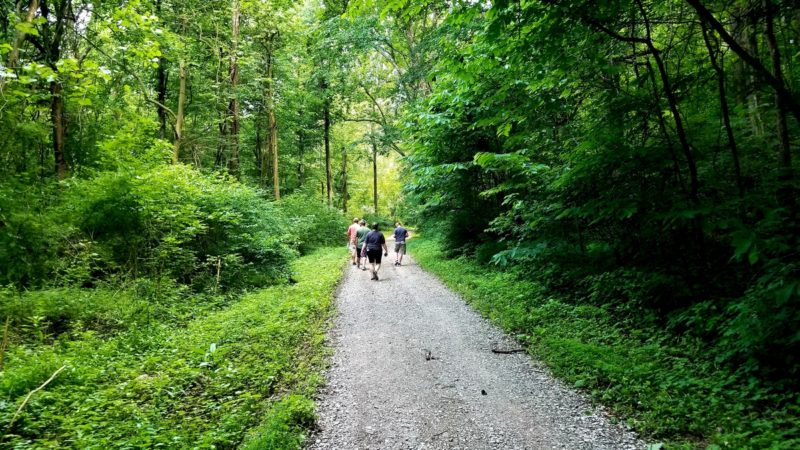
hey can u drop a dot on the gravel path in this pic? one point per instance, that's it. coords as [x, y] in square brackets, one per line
[413, 368]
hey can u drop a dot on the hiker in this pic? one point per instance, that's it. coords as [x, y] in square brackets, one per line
[400, 235]
[361, 234]
[352, 241]
[372, 244]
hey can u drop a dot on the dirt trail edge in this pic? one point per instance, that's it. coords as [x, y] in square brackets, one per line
[413, 368]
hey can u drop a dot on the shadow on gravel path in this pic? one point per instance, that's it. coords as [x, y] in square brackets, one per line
[413, 368]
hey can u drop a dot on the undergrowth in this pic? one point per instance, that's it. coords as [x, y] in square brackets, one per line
[667, 387]
[242, 374]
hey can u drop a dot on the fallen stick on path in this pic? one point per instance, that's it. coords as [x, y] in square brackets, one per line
[506, 351]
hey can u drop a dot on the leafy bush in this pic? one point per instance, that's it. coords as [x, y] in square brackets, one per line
[30, 235]
[312, 224]
[204, 230]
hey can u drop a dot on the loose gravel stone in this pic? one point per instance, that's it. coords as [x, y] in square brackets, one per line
[413, 368]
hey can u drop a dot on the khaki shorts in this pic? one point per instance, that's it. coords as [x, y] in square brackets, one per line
[400, 247]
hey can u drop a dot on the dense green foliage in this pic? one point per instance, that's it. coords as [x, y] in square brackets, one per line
[631, 165]
[666, 387]
[633, 157]
[228, 373]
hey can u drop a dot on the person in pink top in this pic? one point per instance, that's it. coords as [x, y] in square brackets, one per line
[352, 240]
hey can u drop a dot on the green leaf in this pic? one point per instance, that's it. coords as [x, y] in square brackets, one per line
[27, 28]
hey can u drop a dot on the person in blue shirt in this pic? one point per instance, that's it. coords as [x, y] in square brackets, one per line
[400, 235]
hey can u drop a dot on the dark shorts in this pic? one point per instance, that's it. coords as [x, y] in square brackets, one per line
[374, 256]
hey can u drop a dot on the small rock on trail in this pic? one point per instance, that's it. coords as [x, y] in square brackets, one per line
[413, 368]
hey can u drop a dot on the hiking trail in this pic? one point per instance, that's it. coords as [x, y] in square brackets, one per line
[414, 368]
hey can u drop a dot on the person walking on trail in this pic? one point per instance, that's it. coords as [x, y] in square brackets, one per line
[352, 241]
[361, 234]
[400, 235]
[372, 244]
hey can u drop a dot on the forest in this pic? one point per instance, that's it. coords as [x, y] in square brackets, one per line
[614, 182]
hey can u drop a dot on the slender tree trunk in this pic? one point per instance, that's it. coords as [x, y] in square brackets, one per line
[273, 125]
[344, 179]
[273, 142]
[59, 129]
[673, 106]
[780, 103]
[180, 115]
[301, 150]
[326, 124]
[266, 155]
[259, 144]
[719, 68]
[13, 56]
[161, 87]
[375, 177]
[162, 97]
[751, 84]
[233, 106]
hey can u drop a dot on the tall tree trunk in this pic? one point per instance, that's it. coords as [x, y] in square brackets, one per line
[161, 87]
[52, 56]
[59, 129]
[301, 150]
[259, 144]
[673, 106]
[273, 122]
[326, 125]
[751, 84]
[233, 105]
[266, 155]
[719, 68]
[375, 177]
[13, 56]
[344, 179]
[162, 97]
[180, 115]
[273, 143]
[780, 103]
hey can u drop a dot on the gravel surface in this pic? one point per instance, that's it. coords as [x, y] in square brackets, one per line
[413, 368]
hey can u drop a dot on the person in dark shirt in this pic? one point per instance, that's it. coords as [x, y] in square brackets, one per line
[400, 235]
[372, 245]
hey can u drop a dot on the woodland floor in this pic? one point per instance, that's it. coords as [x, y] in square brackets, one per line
[415, 367]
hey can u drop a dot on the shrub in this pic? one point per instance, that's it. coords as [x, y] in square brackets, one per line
[312, 224]
[205, 230]
[30, 234]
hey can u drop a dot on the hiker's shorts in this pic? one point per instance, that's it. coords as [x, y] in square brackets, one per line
[400, 247]
[374, 256]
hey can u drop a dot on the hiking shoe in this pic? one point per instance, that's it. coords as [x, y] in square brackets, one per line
[376, 276]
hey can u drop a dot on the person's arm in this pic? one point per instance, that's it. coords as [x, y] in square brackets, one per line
[385, 249]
